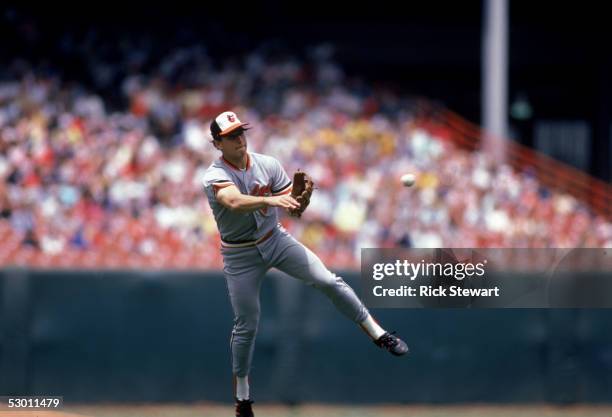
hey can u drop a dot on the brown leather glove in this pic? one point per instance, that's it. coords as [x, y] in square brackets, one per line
[302, 190]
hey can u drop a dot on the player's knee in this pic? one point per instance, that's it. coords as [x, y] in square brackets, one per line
[246, 327]
[330, 284]
[337, 282]
[248, 333]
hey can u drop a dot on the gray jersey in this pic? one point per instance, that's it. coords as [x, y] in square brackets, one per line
[263, 176]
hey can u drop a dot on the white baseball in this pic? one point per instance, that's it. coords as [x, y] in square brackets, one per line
[408, 180]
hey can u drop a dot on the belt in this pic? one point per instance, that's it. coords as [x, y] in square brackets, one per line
[246, 243]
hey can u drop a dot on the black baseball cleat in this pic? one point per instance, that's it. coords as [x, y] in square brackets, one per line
[243, 408]
[392, 343]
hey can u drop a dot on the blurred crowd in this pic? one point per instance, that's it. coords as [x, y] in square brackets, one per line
[88, 182]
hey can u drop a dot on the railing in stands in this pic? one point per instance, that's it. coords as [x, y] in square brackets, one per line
[556, 175]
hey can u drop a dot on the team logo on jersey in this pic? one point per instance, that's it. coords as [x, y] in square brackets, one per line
[262, 191]
[231, 118]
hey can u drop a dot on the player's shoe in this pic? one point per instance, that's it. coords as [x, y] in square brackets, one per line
[243, 408]
[392, 343]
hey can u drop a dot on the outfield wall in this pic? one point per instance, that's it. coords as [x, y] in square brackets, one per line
[94, 336]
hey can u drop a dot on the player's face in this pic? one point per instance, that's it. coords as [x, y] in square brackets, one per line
[233, 146]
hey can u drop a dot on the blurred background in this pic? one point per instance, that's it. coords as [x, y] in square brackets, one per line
[110, 281]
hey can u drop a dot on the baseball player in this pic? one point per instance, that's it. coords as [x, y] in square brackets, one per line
[244, 190]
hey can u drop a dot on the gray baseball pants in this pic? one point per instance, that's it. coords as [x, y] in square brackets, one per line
[244, 270]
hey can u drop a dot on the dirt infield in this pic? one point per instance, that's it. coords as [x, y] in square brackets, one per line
[37, 414]
[267, 410]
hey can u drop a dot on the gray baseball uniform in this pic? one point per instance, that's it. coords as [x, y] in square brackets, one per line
[252, 243]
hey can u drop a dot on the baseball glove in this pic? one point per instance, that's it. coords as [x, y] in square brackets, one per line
[302, 190]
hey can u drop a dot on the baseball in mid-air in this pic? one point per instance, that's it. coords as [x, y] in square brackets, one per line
[408, 180]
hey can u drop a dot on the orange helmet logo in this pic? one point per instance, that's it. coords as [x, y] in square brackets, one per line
[231, 118]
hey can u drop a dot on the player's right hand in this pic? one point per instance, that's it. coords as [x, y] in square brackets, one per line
[285, 201]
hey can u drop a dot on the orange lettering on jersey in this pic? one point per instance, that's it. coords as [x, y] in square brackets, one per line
[262, 191]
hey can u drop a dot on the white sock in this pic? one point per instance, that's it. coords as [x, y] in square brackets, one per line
[372, 327]
[242, 387]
